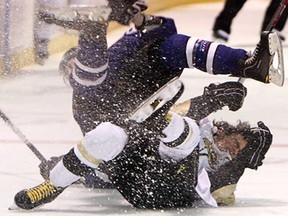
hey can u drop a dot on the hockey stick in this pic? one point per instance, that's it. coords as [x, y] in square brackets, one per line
[22, 137]
[272, 24]
[277, 15]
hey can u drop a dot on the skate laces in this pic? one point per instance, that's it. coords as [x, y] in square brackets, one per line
[41, 191]
[254, 56]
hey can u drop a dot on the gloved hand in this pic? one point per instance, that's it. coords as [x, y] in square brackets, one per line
[46, 167]
[124, 10]
[229, 94]
[259, 141]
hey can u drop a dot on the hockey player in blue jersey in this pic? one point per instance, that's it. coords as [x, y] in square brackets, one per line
[108, 82]
[78, 163]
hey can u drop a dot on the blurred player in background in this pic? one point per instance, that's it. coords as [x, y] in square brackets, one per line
[43, 32]
[223, 22]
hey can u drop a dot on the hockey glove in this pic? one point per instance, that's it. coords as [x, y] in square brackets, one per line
[259, 141]
[123, 11]
[46, 167]
[148, 23]
[229, 94]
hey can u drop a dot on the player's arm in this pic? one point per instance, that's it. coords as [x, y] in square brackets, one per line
[214, 98]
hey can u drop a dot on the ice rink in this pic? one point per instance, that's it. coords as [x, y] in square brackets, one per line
[39, 104]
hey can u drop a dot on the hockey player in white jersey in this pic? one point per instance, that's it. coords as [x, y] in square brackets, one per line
[161, 161]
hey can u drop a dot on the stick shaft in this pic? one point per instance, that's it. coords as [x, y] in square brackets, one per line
[277, 15]
[22, 137]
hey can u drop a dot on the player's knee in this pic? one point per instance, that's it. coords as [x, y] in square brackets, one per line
[103, 143]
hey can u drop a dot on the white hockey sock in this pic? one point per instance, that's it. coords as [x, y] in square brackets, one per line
[62, 177]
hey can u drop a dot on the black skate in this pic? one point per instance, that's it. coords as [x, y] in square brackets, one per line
[75, 17]
[36, 196]
[220, 36]
[261, 65]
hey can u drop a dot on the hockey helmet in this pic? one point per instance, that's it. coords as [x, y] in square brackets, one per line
[67, 63]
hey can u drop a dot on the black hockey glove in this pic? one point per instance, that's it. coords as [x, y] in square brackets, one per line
[229, 94]
[149, 22]
[124, 10]
[259, 141]
[46, 167]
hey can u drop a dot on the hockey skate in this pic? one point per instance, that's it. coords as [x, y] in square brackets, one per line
[166, 93]
[220, 36]
[266, 63]
[31, 198]
[79, 10]
[76, 17]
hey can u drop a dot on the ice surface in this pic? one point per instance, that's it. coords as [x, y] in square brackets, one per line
[39, 104]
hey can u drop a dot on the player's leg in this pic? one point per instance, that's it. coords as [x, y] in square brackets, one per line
[223, 22]
[217, 58]
[103, 143]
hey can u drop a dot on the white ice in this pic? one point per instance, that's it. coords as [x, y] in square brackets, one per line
[39, 104]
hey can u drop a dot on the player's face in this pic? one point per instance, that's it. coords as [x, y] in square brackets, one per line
[232, 143]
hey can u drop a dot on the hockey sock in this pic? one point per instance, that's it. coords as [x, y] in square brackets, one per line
[75, 165]
[60, 176]
[93, 47]
[207, 56]
[92, 57]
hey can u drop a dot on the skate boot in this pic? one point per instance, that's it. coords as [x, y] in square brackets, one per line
[261, 66]
[220, 36]
[36, 196]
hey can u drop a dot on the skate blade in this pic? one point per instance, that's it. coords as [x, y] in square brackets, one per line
[14, 207]
[82, 13]
[276, 70]
[157, 100]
